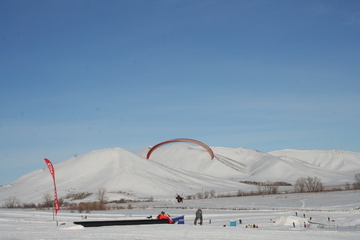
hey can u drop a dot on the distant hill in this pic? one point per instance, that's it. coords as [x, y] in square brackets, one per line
[332, 166]
[180, 168]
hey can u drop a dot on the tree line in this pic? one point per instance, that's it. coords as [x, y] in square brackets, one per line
[302, 184]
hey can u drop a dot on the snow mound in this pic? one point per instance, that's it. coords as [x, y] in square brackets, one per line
[290, 220]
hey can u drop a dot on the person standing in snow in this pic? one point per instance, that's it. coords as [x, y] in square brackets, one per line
[198, 216]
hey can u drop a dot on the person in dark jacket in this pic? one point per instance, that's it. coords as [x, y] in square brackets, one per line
[198, 216]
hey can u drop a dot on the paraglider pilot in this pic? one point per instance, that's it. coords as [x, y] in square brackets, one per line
[179, 198]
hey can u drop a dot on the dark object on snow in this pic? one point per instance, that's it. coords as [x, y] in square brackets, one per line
[122, 222]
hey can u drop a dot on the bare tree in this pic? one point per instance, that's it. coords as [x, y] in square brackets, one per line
[271, 187]
[48, 202]
[275, 189]
[316, 185]
[206, 194]
[357, 177]
[311, 184]
[102, 195]
[268, 187]
[260, 190]
[12, 202]
[299, 186]
[356, 184]
[199, 195]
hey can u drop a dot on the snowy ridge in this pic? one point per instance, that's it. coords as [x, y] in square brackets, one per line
[338, 160]
[180, 168]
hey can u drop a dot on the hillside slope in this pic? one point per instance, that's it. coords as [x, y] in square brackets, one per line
[180, 168]
[122, 173]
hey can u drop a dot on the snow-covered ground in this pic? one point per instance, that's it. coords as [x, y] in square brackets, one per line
[274, 215]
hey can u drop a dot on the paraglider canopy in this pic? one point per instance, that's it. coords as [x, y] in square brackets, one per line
[206, 147]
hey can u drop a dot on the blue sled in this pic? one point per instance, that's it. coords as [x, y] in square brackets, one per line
[179, 220]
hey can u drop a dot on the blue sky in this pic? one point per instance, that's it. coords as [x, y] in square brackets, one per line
[78, 76]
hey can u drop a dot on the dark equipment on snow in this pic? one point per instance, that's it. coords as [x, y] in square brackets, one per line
[122, 222]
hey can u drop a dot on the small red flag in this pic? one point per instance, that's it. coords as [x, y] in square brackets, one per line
[52, 172]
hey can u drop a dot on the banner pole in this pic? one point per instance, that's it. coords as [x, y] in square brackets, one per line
[56, 206]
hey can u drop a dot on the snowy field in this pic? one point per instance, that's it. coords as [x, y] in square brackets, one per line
[274, 215]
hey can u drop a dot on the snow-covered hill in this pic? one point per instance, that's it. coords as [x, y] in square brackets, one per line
[332, 167]
[338, 160]
[180, 168]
